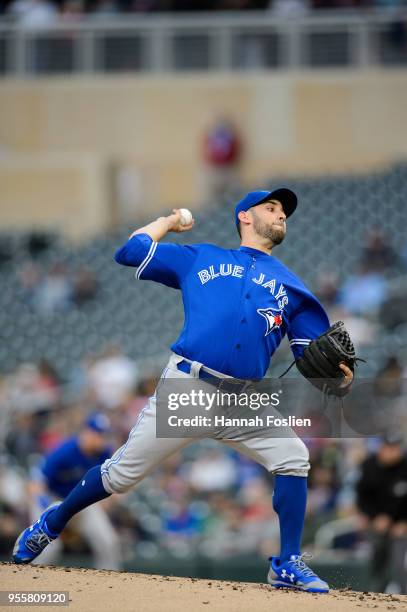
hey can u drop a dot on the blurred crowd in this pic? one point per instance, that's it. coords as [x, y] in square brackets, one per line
[46, 12]
[57, 289]
[368, 294]
[209, 500]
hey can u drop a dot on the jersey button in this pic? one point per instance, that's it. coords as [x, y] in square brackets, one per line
[243, 320]
[247, 296]
[238, 346]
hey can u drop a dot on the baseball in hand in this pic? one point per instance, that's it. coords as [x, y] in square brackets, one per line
[186, 216]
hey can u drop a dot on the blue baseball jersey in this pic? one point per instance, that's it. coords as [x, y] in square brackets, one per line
[64, 466]
[239, 303]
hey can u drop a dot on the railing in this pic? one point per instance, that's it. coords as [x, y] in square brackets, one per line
[226, 41]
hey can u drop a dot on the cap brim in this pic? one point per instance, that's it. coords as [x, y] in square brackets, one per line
[287, 198]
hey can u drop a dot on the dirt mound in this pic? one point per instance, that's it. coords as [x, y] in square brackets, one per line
[91, 590]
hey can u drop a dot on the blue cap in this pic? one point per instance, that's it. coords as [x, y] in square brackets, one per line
[287, 198]
[99, 422]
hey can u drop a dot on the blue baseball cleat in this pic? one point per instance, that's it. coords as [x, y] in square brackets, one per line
[32, 541]
[295, 574]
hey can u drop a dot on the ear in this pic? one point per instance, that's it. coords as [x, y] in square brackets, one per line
[243, 216]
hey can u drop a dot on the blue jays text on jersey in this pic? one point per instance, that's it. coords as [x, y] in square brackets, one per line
[238, 303]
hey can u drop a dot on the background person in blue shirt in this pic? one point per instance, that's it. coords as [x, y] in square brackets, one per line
[58, 473]
[239, 304]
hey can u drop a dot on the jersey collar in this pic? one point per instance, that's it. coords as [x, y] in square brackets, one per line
[253, 251]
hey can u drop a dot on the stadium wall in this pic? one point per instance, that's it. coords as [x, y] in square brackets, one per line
[64, 142]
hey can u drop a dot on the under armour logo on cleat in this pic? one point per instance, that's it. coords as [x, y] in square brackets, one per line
[285, 575]
[83, 483]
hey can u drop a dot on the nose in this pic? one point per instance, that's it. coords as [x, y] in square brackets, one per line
[283, 216]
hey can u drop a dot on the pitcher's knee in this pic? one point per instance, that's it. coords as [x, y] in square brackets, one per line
[295, 459]
[117, 480]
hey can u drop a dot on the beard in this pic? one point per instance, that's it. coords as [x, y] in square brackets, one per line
[274, 234]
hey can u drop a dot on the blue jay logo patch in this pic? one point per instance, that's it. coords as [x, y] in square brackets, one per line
[274, 318]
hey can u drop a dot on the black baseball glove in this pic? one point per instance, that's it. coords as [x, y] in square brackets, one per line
[320, 360]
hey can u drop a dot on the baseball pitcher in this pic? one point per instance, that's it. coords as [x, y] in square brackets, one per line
[239, 304]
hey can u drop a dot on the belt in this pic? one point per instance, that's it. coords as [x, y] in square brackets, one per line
[228, 385]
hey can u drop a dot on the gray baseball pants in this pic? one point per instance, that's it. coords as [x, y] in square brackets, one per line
[143, 451]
